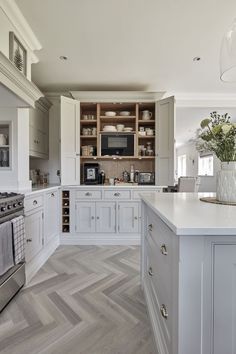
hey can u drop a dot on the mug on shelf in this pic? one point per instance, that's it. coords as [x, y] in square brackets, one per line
[3, 139]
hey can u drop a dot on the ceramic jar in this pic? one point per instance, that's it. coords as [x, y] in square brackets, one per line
[226, 182]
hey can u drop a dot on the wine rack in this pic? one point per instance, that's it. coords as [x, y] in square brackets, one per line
[65, 211]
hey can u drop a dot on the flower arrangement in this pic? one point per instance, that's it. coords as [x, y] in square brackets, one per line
[218, 135]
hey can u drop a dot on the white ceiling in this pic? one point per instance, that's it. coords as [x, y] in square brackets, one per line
[129, 44]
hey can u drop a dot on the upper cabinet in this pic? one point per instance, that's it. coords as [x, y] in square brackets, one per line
[39, 129]
[70, 142]
[87, 128]
[5, 145]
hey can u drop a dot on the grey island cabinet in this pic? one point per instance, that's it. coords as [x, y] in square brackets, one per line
[188, 273]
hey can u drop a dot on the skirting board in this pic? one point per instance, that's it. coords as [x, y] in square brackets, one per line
[38, 261]
[156, 326]
[97, 240]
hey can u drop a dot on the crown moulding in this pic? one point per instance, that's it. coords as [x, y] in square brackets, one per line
[17, 83]
[17, 19]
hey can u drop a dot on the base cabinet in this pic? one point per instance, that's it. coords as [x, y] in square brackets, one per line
[85, 213]
[34, 234]
[224, 299]
[95, 217]
[51, 219]
[128, 217]
[189, 283]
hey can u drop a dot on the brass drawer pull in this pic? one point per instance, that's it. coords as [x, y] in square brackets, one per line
[150, 227]
[150, 272]
[164, 250]
[35, 202]
[52, 195]
[117, 194]
[92, 217]
[29, 240]
[88, 194]
[164, 312]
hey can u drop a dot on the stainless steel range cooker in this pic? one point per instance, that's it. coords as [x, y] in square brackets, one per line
[11, 206]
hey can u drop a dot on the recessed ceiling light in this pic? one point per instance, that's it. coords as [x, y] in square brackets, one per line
[196, 59]
[63, 57]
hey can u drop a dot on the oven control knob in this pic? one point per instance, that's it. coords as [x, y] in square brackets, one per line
[14, 205]
[20, 203]
[3, 208]
[9, 206]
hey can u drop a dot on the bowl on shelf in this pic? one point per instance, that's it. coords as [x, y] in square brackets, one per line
[110, 114]
[120, 127]
[109, 128]
[128, 129]
[125, 113]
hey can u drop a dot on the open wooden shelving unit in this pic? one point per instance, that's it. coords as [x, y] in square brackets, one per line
[134, 120]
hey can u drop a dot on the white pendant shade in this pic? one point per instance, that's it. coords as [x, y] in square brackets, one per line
[228, 55]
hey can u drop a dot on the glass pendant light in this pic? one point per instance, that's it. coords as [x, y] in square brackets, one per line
[228, 55]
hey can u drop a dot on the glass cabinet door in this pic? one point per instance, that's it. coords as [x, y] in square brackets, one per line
[5, 146]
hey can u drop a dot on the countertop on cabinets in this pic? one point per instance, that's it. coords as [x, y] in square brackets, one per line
[41, 188]
[117, 186]
[185, 214]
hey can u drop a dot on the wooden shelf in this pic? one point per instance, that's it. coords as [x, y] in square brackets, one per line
[4, 146]
[118, 157]
[88, 136]
[146, 136]
[151, 121]
[87, 121]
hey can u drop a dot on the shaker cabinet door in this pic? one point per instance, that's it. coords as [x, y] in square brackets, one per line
[165, 142]
[85, 214]
[106, 217]
[224, 325]
[128, 217]
[70, 141]
[34, 234]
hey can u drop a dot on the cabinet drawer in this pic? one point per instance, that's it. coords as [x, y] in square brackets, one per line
[162, 303]
[117, 194]
[88, 194]
[33, 203]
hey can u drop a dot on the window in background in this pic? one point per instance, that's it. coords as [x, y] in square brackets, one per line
[205, 165]
[182, 166]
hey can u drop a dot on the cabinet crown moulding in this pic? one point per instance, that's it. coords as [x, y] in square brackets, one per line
[18, 21]
[17, 83]
[116, 96]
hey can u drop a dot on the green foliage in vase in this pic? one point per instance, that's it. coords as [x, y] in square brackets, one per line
[218, 135]
[18, 60]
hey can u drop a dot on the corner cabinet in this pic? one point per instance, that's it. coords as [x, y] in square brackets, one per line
[82, 125]
[70, 142]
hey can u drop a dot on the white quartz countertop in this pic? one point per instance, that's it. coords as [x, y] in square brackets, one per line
[185, 214]
[117, 186]
[41, 188]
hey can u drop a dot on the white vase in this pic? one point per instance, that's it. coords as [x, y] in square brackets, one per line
[226, 182]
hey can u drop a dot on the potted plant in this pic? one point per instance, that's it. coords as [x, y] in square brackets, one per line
[218, 135]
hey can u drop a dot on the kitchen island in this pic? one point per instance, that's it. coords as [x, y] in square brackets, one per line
[188, 273]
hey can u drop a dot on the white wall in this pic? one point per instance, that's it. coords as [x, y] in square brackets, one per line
[208, 183]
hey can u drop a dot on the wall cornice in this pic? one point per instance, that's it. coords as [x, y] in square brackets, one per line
[17, 83]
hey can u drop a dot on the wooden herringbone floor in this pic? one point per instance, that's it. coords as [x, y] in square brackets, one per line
[85, 300]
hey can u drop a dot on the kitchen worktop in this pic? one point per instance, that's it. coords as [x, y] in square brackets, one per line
[122, 185]
[41, 188]
[185, 214]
